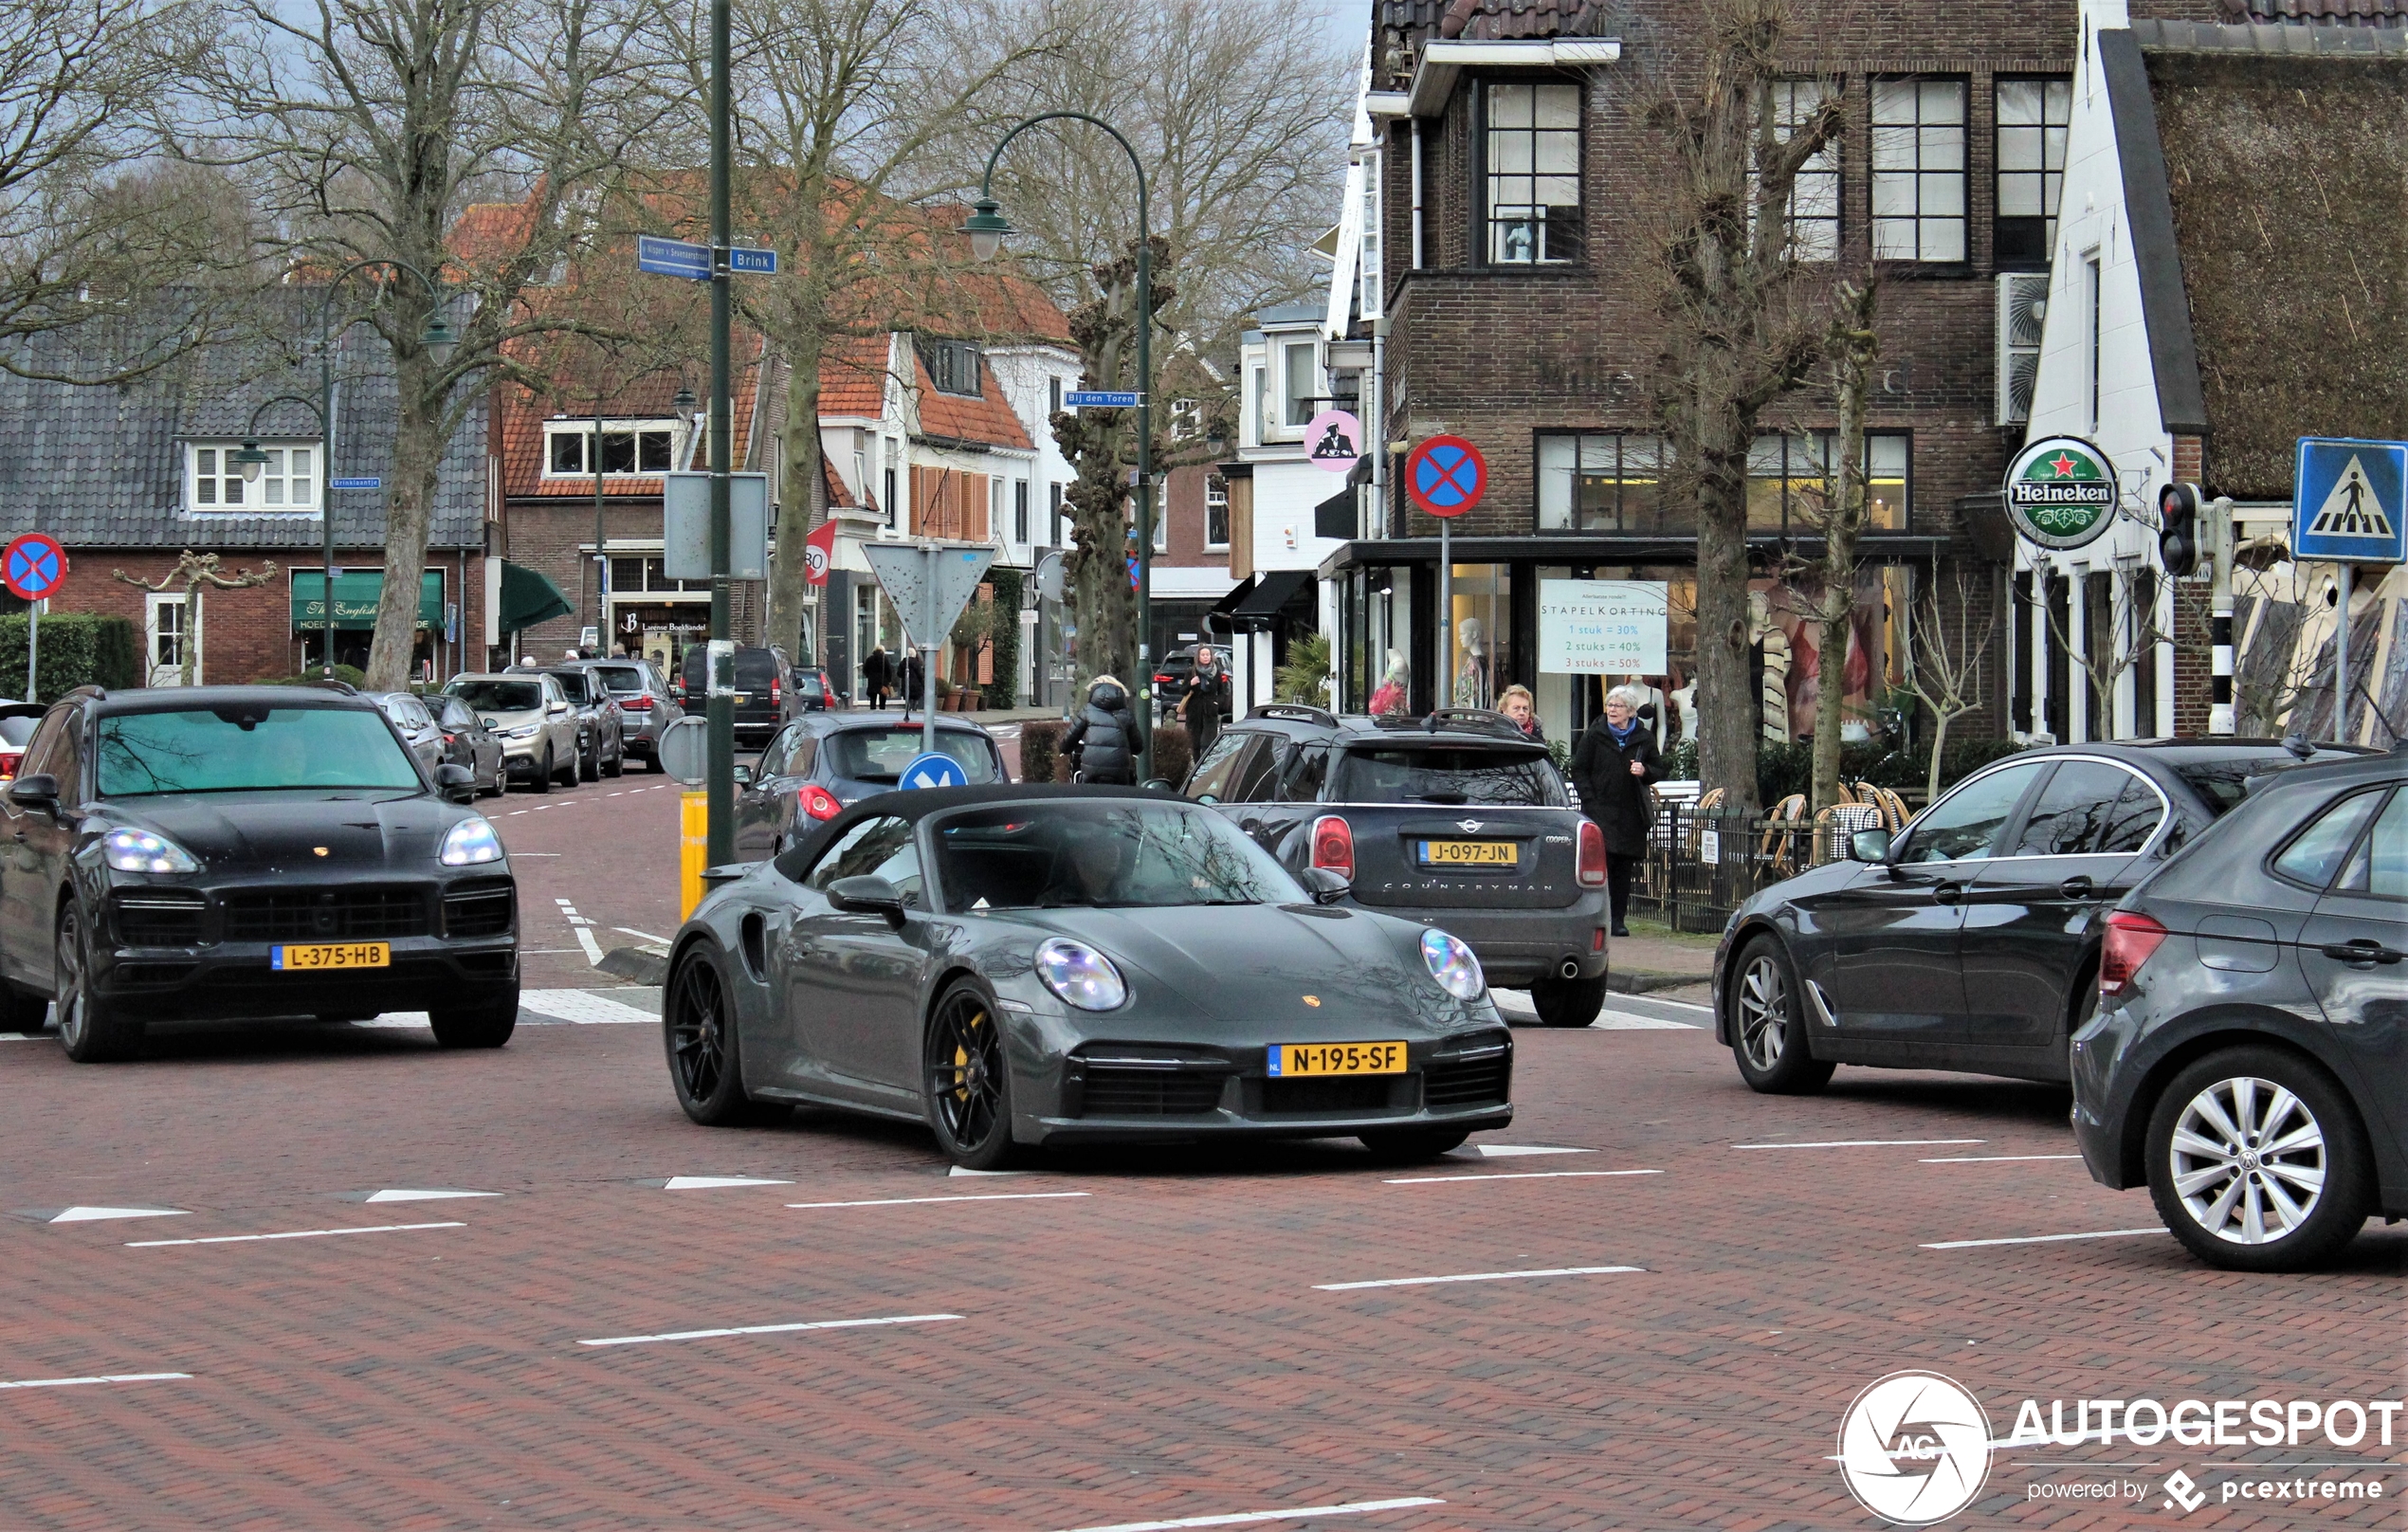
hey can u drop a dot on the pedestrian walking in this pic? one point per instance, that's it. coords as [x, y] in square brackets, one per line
[1204, 701]
[1614, 766]
[1101, 743]
[1518, 704]
[914, 677]
[875, 676]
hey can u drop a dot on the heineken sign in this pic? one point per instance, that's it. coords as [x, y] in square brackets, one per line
[2061, 493]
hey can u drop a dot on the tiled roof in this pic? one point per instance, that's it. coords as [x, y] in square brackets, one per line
[104, 467]
[645, 398]
[491, 230]
[2331, 13]
[839, 498]
[1488, 21]
[853, 378]
[987, 419]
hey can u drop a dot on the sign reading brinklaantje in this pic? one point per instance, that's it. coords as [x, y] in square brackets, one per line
[2061, 492]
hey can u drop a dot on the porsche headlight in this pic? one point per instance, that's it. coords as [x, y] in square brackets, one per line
[1452, 965]
[138, 850]
[471, 841]
[1081, 975]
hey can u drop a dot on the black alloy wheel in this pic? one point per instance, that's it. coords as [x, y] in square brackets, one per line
[1403, 1146]
[1568, 1002]
[698, 1027]
[1768, 1022]
[544, 773]
[91, 1030]
[484, 1026]
[969, 1081]
[2257, 1162]
[590, 759]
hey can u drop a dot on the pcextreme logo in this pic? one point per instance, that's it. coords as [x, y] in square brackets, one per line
[1915, 1447]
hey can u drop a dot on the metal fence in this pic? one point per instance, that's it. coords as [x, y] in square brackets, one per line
[1703, 865]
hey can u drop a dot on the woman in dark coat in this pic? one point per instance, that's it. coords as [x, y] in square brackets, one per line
[1103, 743]
[1612, 766]
[1204, 699]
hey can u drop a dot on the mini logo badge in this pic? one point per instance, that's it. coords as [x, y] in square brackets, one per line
[1469, 827]
[1915, 1447]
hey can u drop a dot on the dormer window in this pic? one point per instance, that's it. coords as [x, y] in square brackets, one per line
[629, 447]
[213, 480]
[953, 367]
[1531, 148]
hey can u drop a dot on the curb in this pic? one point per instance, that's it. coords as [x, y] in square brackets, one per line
[1620, 980]
[636, 964]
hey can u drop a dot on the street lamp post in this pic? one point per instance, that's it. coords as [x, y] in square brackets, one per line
[985, 228]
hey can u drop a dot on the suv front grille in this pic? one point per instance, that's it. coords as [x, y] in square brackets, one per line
[482, 909]
[328, 914]
[1124, 1092]
[160, 918]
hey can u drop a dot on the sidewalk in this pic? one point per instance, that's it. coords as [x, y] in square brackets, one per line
[1654, 959]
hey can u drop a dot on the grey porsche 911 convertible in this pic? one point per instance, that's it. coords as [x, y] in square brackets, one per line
[1023, 966]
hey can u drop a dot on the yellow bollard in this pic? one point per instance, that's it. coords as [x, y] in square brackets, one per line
[693, 828]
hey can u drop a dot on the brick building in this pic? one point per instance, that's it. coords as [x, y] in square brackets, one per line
[129, 477]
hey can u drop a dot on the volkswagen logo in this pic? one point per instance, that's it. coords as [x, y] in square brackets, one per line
[1915, 1447]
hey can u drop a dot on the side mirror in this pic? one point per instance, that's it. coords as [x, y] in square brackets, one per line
[1327, 887]
[40, 791]
[867, 896]
[743, 774]
[1206, 799]
[1158, 784]
[1869, 845]
[457, 783]
[555, 709]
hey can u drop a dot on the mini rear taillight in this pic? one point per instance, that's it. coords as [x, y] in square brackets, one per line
[817, 803]
[1334, 845]
[2132, 938]
[1591, 861]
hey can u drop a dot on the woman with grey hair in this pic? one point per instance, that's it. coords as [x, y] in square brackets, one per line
[1613, 765]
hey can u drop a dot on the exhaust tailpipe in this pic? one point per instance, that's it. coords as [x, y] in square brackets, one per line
[1571, 968]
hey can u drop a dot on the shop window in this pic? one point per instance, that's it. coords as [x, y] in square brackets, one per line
[1789, 475]
[1919, 169]
[1532, 152]
[2033, 118]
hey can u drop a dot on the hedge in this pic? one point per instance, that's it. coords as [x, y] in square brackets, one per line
[1004, 638]
[79, 649]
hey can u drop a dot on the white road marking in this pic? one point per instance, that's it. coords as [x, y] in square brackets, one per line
[89, 1215]
[2041, 1239]
[1515, 1175]
[297, 1233]
[19, 1037]
[1474, 1276]
[958, 1170]
[630, 931]
[1354, 1507]
[515, 813]
[524, 855]
[982, 1196]
[1686, 1005]
[764, 1329]
[1507, 1151]
[593, 948]
[584, 1007]
[698, 1183]
[396, 1019]
[1861, 1144]
[1628, 1021]
[106, 1378]
[565, 905]
[1993, 1159]
[430, 1194]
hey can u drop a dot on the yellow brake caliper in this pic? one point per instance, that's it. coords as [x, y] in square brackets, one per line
[961, 1065]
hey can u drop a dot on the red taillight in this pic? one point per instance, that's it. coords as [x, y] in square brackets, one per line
[817, 803]
[1161, 681]
[450, 738]
[1597, 941]
[2131, 938]
[1334, 845]
[1592, 862]
[775, 691]
[638, 703]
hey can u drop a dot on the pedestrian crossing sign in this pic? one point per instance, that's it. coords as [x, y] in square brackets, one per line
[2351, 502]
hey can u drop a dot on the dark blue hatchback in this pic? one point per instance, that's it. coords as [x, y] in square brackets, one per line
[825, 761]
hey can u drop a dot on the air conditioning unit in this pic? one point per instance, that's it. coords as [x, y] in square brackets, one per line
[2023, 303]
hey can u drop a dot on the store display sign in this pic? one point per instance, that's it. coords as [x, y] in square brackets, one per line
[1603, 627]
[2061, 493]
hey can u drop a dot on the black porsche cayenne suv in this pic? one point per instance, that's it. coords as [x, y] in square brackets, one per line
[241, 852]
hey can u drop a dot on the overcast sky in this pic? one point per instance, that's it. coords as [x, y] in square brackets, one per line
[1347, 23]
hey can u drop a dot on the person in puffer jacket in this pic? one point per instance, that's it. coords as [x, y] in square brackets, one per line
[1103, 743]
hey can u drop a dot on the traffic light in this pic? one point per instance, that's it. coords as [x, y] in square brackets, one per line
[2177, 538]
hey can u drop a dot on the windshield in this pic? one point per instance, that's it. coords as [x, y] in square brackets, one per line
[1102, 855]
[235, 750]
[620, 677]
[1450, 774]
[879, 755]
[499, 696]
[2221, 784]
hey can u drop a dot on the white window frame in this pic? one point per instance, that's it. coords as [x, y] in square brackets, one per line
[223, 478]
[582, 430]
[1216, 493]
[1282, 428]
[168, 672]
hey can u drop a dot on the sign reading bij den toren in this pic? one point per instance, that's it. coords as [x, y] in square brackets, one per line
[2061, 492]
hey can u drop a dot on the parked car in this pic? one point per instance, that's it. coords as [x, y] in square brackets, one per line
[1170, 676]
[826, 762]
[415, 725]
[1452, 820]
[532, 715]
[16, 726]
[646, 704]
[601, 728]
[1020, 966]
[1970, 939]
[467, 743]
[766, 697]
[244, 852]
[2249, 1061]
[818, 692]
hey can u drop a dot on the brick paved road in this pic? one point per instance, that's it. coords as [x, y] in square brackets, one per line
[1158, 1346]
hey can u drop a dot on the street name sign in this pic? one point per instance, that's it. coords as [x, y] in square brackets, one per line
[1101, 399]
[2351, 502]
[672, 258]
[2061, 493]
[929, 583]
[361, 482]
[745, 259]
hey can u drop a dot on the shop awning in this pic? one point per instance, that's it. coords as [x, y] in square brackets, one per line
[357, 593]
[528, 597]
[1272, 594]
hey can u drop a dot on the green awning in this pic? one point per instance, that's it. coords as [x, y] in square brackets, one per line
[357, 593]
[528, 597]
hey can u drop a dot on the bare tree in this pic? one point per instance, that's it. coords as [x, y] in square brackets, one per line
[2127, 637]
[1740, 331]
[1839, 514]
[197, 573]
[369, 126]
[1947, 668]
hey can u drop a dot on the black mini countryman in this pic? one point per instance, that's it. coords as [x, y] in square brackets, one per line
[236, 853]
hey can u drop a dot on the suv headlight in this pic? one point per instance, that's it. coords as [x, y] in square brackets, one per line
[1081, 975]
[1452, 965]
[471, 842]
[525, 731]
[138, 850]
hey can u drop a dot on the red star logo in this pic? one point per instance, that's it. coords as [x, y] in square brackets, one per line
[2063, 464]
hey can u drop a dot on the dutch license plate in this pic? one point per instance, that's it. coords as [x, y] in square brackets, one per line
[322, 954]
[1291, 1059]
[1471, 853]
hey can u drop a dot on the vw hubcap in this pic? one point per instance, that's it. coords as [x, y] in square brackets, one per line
[2248, 1161]
[1763, 1012]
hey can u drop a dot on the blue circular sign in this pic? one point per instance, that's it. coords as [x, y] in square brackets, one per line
[34, 565]
[1445, 476]
[934, 769]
